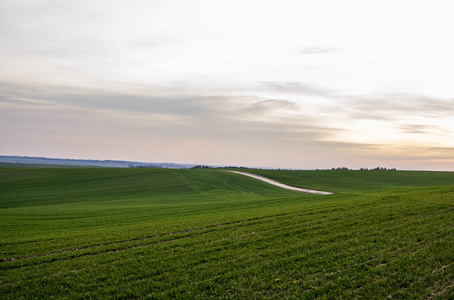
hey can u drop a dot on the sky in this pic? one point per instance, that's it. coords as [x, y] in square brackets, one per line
[284, 84]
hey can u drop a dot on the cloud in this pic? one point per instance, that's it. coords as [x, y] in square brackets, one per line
[151, 102]
[423, 129]
[187, 128]
[28, 102]
[316, 50]
[398, 105]
[189, 107]
[272, 105]
[298, 87]
[425, 152]
[192, 126]
[363, 115]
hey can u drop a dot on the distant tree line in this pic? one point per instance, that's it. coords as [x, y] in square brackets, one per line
[378, 169]
[365, 169]
[143, 166]
[278, 169]
[201, 167]
[220, 167]
[236, 167]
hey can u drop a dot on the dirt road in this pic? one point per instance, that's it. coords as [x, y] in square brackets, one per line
[284, 186]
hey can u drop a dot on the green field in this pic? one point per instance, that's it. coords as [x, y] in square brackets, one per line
[90, 233]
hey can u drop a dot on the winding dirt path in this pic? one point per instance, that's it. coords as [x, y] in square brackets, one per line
[284, 186]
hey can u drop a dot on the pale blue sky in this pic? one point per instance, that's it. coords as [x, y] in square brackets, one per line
[291, 84]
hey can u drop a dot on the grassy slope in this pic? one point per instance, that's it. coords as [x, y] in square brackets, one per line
[48, 208]
[345, 181]
[199, 233]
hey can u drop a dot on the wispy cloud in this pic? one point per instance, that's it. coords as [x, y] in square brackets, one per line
[298, 87]
[316, 50]
[423, 129]
[401, 104]
[201, 125]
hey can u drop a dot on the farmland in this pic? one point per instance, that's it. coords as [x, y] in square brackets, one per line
[158, 233]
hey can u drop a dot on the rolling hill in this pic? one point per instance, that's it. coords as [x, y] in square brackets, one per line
[159, 233]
